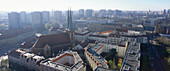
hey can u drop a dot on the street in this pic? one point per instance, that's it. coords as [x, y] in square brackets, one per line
[5, 49]
[156, 61]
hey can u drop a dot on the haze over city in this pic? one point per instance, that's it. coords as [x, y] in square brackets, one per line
[40, 5]
[84, 35]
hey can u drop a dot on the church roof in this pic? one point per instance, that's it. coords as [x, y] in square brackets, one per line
[52, 40]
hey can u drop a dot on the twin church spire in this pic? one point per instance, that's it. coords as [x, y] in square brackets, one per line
[70, 25]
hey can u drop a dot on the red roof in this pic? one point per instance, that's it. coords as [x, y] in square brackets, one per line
[106, 32]
[122, 30]
[65, 54]
[99, 48]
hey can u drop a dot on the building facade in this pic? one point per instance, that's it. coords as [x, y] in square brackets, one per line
[28, 60]
[45, 17]
[14, 21]
[51, 45]
[58, 17]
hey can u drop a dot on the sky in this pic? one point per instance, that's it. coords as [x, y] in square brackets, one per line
[48, 5]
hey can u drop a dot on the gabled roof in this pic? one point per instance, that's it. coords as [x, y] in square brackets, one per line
[52, 40]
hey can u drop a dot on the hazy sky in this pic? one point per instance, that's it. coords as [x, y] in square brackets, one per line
[39, 5]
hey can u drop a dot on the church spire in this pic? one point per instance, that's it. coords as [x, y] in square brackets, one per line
[68, 18]
[70, 25]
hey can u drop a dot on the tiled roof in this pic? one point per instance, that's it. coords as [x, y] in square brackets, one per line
[106, 32]
[98, 59]
[122, 30]
[51, 62]
[52, 40]
[65, 54]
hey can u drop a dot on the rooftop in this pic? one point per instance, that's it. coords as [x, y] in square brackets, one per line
[97, 47]
[81, 32]
[51, 62]
[103, 69]
[132, 58]
[16, 53]
[99, 60]
[105, 32]
[52, 40]
[86, 42]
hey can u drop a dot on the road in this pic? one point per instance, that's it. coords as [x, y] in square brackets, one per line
[4, 50]
[156, 61]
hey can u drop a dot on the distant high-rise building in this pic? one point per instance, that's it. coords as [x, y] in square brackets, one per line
[45, 17]
[164, 11]
[110, 13]
[102, 13]
[37, 21]
[28, 18]
[23, 17]
[89, 13]
[14, 21]
[168, 11]
[118, 12]
[58, 17]
[36, 18]
[81, 13]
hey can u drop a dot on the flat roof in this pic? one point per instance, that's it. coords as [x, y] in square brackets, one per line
[132, 58]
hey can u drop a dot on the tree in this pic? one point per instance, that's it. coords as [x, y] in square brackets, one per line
[169, 61]
[112, 53]
[48, 26]
[116, 60]
[120, 63]
[110, 62]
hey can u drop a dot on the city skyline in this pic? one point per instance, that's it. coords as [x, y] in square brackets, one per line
[40, 5]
